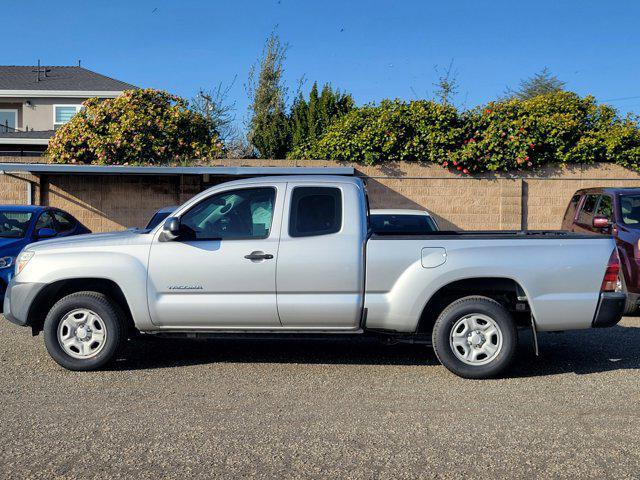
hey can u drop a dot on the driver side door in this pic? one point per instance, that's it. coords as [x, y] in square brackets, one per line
[221, 271]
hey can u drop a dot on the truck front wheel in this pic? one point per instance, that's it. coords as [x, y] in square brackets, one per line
[84, 331]
[475, 337]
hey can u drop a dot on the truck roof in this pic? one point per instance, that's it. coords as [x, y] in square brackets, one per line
[612, 190]
[296, 179]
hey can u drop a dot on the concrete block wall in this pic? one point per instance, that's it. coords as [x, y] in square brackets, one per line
[534, 200]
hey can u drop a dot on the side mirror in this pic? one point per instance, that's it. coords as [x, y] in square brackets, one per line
[45, 233]
[601, 222]
[170, 229]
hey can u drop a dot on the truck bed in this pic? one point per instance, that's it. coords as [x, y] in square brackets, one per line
[486, 235]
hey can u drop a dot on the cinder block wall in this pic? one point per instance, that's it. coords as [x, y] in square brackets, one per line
[508, 202]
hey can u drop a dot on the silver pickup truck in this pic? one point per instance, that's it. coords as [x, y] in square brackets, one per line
[294, 256]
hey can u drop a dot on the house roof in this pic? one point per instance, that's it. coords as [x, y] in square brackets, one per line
[23, 80]
[32, 137]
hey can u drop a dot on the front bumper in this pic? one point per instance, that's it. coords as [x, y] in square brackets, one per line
[5, 278]
[610, 309]
[18, 299]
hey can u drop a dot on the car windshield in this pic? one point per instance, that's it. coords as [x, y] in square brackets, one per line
[402, 224]
[14, 224]
[156, 219]
[630, 209]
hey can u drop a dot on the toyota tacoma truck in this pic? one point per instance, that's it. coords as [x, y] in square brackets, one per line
[295, 257]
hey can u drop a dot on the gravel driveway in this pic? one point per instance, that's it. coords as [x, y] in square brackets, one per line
[212, 409]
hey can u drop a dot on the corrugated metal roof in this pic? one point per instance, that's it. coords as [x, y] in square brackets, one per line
[48, 168]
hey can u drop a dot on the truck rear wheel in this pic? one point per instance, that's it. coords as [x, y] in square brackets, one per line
[84, 331]
[475, 337]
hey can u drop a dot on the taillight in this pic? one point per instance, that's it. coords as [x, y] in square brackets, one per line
[610, 280]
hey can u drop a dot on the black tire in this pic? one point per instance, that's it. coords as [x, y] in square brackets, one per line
[456, 311]
[111, 317]
[630, 307]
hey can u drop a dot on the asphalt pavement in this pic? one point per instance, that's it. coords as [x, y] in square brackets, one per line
[321, 409]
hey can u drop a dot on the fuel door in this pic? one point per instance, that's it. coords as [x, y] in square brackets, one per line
[433, 257]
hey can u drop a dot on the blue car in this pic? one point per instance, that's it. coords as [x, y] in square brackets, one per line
[21, 225]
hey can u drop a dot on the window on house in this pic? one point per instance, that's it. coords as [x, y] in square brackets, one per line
[63, 113]
[8, 120]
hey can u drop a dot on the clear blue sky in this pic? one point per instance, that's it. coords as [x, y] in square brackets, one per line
[373, 49]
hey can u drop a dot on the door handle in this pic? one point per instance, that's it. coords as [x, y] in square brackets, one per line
[258, 255]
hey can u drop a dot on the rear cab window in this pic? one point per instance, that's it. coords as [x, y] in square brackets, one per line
[315, 211]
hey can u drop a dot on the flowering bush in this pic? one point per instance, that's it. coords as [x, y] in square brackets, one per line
[555, 128]
[500, 136]
[138, 127]
[391, 131]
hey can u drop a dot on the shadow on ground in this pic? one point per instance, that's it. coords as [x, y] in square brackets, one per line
[580, 352]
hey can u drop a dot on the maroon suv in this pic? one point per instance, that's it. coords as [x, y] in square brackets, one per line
[616, 212]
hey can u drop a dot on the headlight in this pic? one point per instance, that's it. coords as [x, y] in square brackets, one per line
[23, 259]
[6, 262]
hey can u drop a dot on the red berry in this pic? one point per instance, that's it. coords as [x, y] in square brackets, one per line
[465, 171]
[445, 164]
[472, 140]
[459, 168]
[532, 146]
[455, 163]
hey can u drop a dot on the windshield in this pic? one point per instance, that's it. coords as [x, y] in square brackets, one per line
[156, 219]
[630, 209]
[14, 224]
[402, 224]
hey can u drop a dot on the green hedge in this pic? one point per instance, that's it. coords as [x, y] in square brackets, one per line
[501, 136]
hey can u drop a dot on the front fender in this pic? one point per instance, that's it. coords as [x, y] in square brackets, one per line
[128, 270]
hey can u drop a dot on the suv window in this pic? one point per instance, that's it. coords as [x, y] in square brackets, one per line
[315, 211]
[588, 207]
[65, 221]
[605, 207]
[238, 214]
[570, 214]
[45, 221]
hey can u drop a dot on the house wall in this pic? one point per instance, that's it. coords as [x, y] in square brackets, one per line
[39, 115]
[528, 201]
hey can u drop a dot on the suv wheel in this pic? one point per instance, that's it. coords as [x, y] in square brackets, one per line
[630, 303]
[475, 337]
[84, 331]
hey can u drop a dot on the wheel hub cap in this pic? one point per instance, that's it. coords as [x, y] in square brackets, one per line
[476, 339]
[82, 333]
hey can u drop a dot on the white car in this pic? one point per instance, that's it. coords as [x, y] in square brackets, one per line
[402, 221]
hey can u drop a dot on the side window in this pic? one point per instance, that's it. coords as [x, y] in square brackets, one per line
[239, 214]
[570, 214]
[315, 211]
[605, 207]
[65, 221]
[588, 208]
[45, 221]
